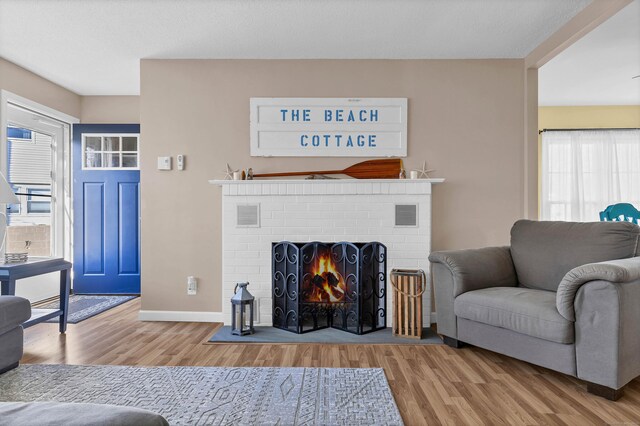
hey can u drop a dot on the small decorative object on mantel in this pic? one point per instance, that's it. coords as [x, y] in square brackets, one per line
[388, 168]
[408, 287]
[249, 172]
[403, 174]
[242, 311]
[228, 173]
[424, 172]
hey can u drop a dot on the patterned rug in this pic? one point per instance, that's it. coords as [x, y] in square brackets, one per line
[82, 307]
[216, 395]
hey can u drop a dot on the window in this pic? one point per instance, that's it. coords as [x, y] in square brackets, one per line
[13, 208]
[38, 200]
[117, 151]
[584, 171]
[35, 201]
[19, 134]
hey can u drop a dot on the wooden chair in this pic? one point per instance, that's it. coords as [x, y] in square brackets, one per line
[620, 212]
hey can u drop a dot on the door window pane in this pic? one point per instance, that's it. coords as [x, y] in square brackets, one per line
[93, 143]
[110, 151]
[29, 174]
[17, 133]
[129, 143]
[38, 200]
[112, 143]
[111, 160]
[93, 160]
[129, 160]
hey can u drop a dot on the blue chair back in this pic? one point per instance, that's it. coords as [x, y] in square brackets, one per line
[620, 212]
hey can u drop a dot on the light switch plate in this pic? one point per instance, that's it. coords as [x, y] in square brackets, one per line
[164, 163]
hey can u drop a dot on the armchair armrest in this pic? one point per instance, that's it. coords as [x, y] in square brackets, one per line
[13, 312]
[607, 326]
[614, 271]
[475, 269]
[456, 272]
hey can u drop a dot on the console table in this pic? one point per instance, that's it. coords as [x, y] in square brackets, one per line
[10, 272]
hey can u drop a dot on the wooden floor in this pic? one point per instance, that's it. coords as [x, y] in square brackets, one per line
[432, 384]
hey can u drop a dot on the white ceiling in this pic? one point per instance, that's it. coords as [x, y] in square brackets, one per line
[93, 47]
[598, 68]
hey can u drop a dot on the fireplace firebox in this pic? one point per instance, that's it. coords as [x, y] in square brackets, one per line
[320, 285]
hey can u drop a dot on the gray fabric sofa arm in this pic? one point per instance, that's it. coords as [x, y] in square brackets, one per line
[607, 327]
[475, 269]
[614, 271]
[456, 272]
[13, 312]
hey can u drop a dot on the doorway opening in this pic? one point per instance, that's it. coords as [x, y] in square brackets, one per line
[35, 153]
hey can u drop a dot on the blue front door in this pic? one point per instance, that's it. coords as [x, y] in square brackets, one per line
[106, 209]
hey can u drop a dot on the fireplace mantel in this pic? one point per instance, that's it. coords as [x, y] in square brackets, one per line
[319, 210]
[314, 181]
[325, 186]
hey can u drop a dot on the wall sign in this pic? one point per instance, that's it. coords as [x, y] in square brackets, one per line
[328, 127]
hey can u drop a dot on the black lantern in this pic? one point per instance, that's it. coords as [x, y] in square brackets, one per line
[242, 310]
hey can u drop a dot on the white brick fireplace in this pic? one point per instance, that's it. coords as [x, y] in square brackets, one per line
[257, 213]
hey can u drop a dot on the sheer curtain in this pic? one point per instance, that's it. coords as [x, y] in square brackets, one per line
[585, 171]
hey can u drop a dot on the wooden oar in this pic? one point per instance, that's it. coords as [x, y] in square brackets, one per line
[388, 168]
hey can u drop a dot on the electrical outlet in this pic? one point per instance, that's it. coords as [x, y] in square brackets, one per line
[192, 286]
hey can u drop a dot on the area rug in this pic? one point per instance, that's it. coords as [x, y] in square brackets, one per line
[325, 336]
[82, 307]
[216, 395]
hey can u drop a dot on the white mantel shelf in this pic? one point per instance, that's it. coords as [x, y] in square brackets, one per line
[325, 186]
[223, 182]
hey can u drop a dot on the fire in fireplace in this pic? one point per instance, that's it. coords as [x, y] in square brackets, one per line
[324, 283]
[319, 285]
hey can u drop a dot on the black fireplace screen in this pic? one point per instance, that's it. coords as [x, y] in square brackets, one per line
[319, 285]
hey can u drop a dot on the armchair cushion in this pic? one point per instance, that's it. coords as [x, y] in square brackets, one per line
[477, 268]
[543, 252]
[523, 310]
[615, 271]
[13, 312]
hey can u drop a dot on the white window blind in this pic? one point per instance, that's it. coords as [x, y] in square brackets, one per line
[30, 160]
[584, 171]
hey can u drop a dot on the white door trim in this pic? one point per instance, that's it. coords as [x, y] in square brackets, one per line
[6, 97]
[62, 156]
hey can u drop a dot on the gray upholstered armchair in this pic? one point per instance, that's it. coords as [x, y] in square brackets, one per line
[13, 312]
[563, 295]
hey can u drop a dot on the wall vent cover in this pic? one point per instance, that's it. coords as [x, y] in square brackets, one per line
[248, 215]
[406, 215]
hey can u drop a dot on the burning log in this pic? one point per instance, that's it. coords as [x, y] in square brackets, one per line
[325, 285]
[332, 280]
[334, 288]
[319, 282]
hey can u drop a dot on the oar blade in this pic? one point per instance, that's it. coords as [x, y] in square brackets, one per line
[388, 168]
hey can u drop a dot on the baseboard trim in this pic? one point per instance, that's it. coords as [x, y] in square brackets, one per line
[180, 316]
